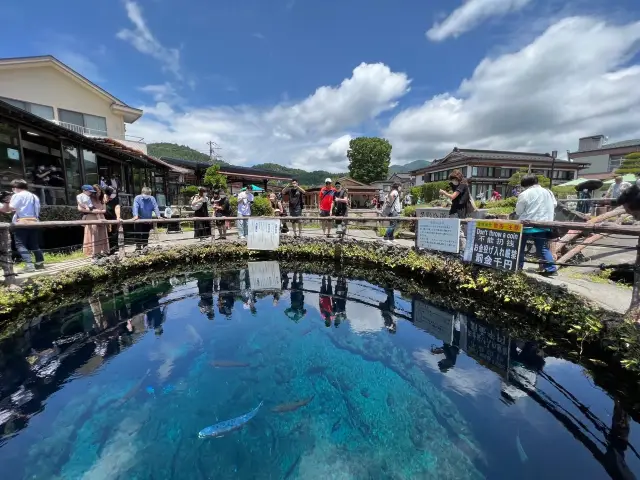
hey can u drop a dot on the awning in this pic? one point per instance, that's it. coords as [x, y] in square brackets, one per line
[629, 177]
[573, 183]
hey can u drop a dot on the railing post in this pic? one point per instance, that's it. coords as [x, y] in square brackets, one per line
[121, 245]
[633, 313]
[5, 254]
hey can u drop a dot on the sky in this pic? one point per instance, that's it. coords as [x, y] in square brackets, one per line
[293, 81]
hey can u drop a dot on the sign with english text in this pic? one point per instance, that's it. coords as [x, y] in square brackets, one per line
[494, 244]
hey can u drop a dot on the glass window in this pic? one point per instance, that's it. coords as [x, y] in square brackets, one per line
[474, 171]
[42, 111]
[96, 125]
[74, 174]
[43, 164]
[15, 103]
[137, 180]
[10, 164]
[90, 162]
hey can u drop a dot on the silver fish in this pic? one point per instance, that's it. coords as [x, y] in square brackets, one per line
[219, 429]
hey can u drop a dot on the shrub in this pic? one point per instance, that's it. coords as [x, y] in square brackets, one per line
[261, 207]
[233, 203]
[563, 192]
[416, 194]
[431, 190]
[509, 202]
[409, 211]
[189, 190]
[630, 164]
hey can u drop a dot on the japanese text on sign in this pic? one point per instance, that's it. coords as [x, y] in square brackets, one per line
[485, 343]
[438, 323]
[265, 275]
[494, 244]
[441, 234]
[263, 234]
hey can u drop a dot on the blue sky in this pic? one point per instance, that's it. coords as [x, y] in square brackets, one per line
[291, 81]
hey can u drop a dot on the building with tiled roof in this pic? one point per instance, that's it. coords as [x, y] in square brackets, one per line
[604, 157]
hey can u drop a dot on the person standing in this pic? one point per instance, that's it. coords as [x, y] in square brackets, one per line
[392, 208]
[221, 208]
[144, 206]
[26, 208]
[341, 197]
[96, 241]
[200, 206]
[617, 187]
[537, 204]
[112, 212]
[460, 200]
[408, 199]
[296, 204]
[326, 205]
[244, 210]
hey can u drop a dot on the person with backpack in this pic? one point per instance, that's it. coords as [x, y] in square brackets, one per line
[392, 208]
[461, 205]
[144, 206]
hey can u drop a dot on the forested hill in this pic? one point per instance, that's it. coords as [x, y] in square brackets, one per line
[407, 167]
[174, 150]
[316, 177]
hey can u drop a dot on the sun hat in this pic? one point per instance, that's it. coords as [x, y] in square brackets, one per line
[88, 188]
[327, 180]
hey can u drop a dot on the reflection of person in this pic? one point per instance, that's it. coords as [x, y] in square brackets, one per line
[386, 308]
[296, 204]
[226, 298]
[450, 350]
[205, 290]
[326, 205]
[95, 236]
[340, 300]
[144, 206]
[326, 304]
[200, 206]
[297, 311]
[27, 210]
[284, 285]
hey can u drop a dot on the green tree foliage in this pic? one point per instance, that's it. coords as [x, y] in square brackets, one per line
[369, 159]
[630, 164]
[212, 178]
[515, 179]
[189, 190]
[174, 150]
[431, 190]
[416, 194]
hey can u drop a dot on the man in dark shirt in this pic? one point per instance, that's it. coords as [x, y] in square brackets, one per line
[222, 208]
[341, 205]
[296, 204]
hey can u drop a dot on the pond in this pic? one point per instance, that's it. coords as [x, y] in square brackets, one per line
[299, 376]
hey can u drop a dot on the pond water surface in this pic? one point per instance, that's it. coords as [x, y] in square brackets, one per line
[347, 380]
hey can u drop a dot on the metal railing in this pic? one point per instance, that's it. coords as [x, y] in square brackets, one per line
[92, 132]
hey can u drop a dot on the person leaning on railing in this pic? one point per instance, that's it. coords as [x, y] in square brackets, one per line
[26, 208]
[144, 205]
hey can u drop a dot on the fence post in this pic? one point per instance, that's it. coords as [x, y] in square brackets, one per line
[633, 313]
[5, 254]
[121, 245]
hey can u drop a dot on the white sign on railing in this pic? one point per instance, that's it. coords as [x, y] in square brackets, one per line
[263, 234]
[441, 234]
[265, 275]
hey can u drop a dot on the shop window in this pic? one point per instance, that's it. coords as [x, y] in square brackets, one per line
[43, 164]
[10, 162]
[90, 163]
[74, 172]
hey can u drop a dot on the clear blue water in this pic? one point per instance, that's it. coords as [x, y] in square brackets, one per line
[358, 382]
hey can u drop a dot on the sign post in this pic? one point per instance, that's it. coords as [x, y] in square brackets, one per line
[442, 234]
[264, 234]
[494, 244]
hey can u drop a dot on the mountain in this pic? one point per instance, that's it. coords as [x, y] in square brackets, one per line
[174, 150]
[407, 167]
[304, 177]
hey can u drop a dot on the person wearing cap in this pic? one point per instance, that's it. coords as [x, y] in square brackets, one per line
[341, 197]
[327, 194]
[96, 240]
[244, 210]
[144, 206]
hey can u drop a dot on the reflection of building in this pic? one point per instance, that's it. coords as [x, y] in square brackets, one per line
[59, 130]
[489, 170]
[603, 157]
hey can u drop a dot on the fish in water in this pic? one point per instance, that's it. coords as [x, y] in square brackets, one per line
[336, 426]
[318, 370]
[521, 453]
[290, 407]
[219, 429]
[228, 364]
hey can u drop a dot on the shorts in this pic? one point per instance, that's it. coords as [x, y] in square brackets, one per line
[296, 213]
[325, 213]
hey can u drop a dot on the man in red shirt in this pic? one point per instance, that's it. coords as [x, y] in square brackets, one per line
[326, 205]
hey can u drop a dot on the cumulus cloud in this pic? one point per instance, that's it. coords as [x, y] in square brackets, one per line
[572, 81]
[143, 40]
[312, 133]
[471, 14]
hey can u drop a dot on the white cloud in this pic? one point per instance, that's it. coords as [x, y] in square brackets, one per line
[258, 35]
[312, 133]
[471, 14]
[143, 40]
[572, 81]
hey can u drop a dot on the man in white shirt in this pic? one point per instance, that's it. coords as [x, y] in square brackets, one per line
[617, 187]
[27, 210]
[537, 204]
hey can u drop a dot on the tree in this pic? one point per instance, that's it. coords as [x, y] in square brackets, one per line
[630, 164]
[515, 179]
[213, 179]
[369, 159]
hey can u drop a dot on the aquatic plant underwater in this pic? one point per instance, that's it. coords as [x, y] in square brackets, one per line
[203, 376]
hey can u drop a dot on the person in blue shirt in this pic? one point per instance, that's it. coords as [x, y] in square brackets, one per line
[144, 206]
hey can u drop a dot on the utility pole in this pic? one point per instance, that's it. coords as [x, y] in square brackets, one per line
[554, 155]
[212, 147]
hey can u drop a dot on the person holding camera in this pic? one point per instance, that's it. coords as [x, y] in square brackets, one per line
[96, 240]
[296, 204]
[26, 208]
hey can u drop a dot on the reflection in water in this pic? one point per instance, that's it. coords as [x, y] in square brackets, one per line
[446, 395]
